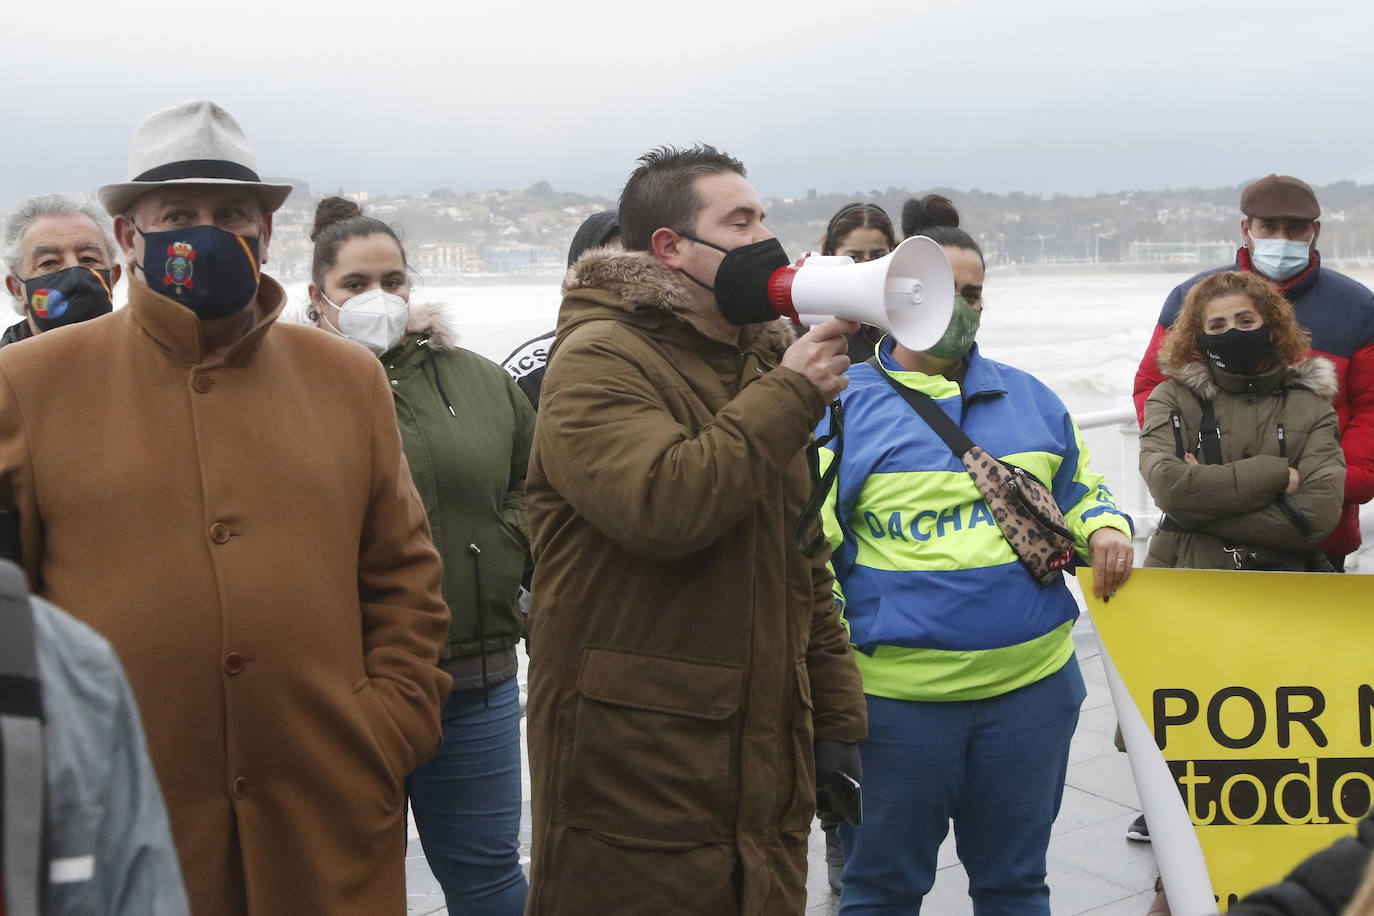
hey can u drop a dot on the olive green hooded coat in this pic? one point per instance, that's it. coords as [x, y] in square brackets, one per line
[1234, 504]
[684, 654]
[466, 429]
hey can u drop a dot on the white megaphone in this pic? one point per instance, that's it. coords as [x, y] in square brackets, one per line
[909, 292]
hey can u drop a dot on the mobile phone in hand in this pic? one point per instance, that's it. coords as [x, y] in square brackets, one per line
[846, 797]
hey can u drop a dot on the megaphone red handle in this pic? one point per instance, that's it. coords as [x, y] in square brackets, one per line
[780, 291]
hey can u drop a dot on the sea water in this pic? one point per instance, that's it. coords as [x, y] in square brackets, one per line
[1082, 334]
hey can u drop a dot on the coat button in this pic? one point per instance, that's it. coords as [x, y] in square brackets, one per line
[219, 533]
[233, 663]
[202, 382]
[240, 787]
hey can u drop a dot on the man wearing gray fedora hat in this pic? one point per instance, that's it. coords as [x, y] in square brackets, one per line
[225, 499]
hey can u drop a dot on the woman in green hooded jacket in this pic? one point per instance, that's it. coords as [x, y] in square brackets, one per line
[1241, 447]
[466, 430]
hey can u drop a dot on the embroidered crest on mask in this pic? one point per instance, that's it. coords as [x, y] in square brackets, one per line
[179, 267]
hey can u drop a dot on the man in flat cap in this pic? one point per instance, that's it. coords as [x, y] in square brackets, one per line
[225, 499]
[1279, 237]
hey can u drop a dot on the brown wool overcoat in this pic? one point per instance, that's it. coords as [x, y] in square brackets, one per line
[684, 654]
[245, 532]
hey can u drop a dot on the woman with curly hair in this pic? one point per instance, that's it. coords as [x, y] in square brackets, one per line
[1240, 446]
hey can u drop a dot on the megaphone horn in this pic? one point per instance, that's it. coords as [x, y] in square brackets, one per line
[909, 292]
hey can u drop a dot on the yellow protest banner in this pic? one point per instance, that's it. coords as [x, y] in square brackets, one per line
[1256, 690]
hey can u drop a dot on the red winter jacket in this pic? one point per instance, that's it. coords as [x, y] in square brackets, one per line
[1339, 314]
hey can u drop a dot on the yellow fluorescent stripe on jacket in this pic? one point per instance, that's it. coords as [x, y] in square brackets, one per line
[938, 675]
[936, 600]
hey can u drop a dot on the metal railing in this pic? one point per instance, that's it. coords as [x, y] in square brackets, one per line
[1130, 492]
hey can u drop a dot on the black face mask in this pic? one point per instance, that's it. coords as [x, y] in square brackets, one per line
[742, 279]
[68, 296]
[1237, 351]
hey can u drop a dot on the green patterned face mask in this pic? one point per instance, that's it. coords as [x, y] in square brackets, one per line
[958, 337]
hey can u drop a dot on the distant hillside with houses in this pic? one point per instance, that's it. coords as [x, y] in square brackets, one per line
[456, 236]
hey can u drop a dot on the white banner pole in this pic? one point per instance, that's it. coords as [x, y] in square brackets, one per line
[1177, 851]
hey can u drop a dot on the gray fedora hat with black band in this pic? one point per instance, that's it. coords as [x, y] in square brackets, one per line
[197, 143]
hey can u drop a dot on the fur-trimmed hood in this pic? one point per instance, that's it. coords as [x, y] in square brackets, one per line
[643, 283]
[1314, 373]
[434, 321]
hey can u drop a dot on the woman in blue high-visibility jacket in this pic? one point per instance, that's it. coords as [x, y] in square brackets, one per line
[968, 666]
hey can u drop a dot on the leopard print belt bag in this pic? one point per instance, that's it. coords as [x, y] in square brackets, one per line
[1025, 512]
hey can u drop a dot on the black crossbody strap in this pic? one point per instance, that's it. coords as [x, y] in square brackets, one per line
[808, 534]
[957, 440]
[1209, 437]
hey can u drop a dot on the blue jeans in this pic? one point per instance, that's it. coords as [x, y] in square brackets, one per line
[466, 800]
[995, 766]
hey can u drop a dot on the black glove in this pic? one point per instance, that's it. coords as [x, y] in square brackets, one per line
[839, 772]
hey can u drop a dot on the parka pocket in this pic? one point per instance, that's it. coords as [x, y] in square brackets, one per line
[654, 747]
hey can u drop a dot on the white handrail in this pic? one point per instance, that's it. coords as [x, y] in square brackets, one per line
[1096, 419]
[1132, 496]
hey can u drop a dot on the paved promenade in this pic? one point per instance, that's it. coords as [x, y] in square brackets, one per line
[1092, 867]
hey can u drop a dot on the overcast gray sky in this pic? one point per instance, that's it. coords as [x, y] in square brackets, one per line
[401, 96]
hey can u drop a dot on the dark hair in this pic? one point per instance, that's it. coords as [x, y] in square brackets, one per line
[662, 192]
[857, 216]
[935, 217]
[337, 220]
[595, 231]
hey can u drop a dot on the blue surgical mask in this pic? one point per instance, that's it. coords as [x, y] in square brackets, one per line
[1279, 259]
[212, 272]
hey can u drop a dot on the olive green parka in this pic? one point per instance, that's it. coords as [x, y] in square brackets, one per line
[684, 654]
[466, 430]
[1271, 422]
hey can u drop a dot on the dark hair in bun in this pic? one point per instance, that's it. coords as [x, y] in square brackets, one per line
[935, 217]
[337, 220]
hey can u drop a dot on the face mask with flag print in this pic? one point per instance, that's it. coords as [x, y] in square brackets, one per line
[68, 296]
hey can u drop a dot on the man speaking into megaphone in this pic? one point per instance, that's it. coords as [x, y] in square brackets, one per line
[741, 261]
[690, 680]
